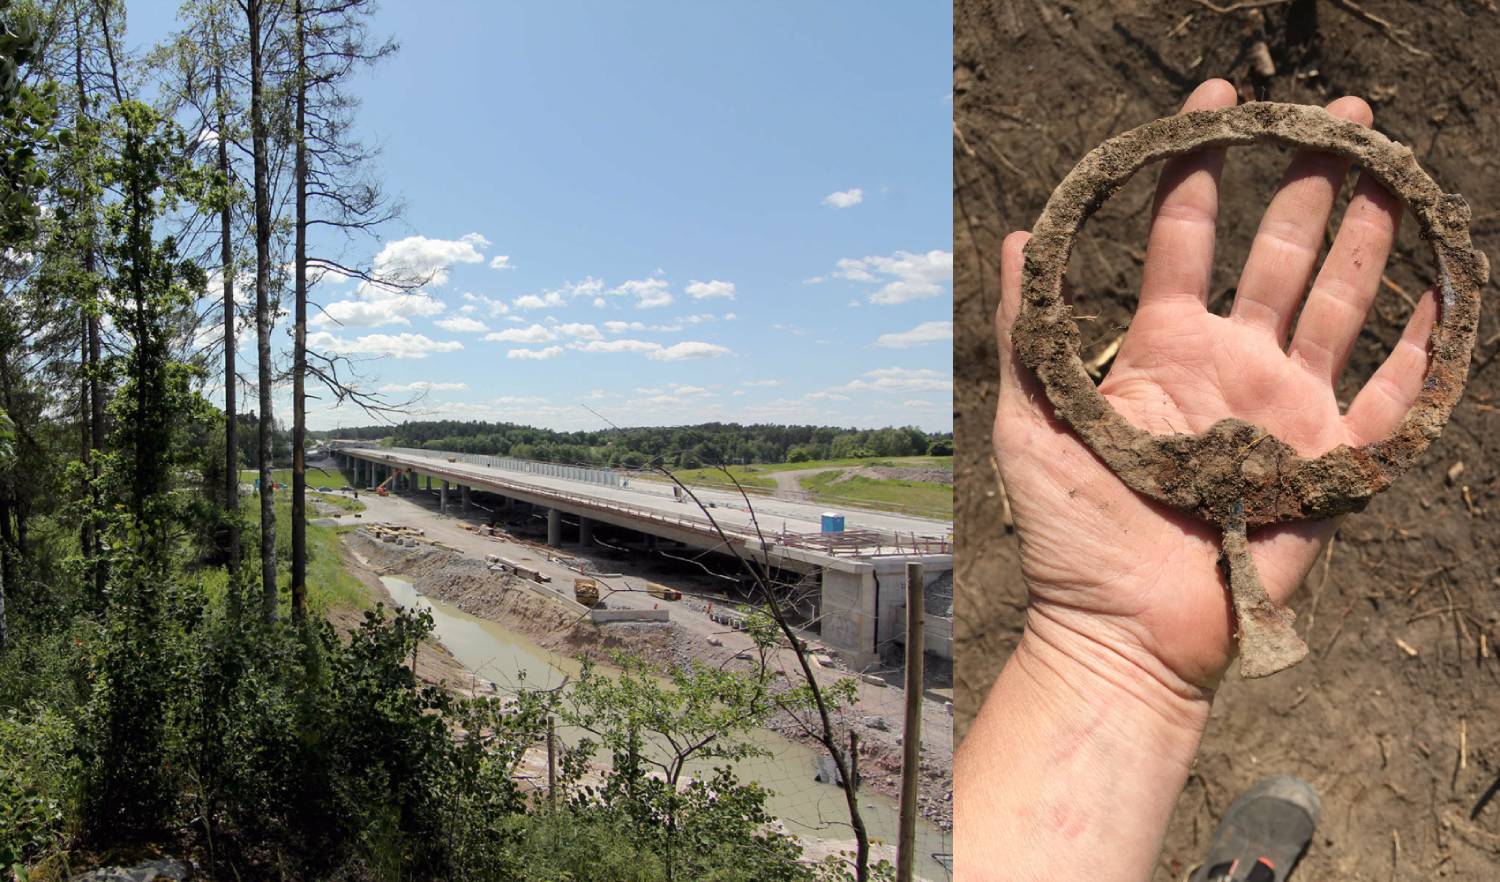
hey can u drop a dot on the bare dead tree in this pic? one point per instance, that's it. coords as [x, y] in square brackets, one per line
[330, 42]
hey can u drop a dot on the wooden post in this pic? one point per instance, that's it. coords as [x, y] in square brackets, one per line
[551, 764]
[911, 735]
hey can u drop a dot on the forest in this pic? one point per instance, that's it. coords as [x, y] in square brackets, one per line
[169, 684]
[685, 447]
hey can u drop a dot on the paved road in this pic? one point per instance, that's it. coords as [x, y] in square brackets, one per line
[775, 515]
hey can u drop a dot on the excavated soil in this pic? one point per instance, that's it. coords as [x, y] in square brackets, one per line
[1401, 739]
[897, 473]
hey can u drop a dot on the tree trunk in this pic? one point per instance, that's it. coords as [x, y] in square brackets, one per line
[299, 345]
[226, 260]
[92, 402]
[263, 315]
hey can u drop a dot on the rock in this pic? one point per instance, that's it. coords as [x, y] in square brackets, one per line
[877, 723]
[714, 641]
[150, 871]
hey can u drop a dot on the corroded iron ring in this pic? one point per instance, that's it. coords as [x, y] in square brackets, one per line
[1234, 462]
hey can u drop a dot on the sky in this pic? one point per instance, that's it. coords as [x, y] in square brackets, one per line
[662, 213]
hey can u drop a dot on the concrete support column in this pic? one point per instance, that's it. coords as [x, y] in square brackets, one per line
[429, 483]
[585, 532]
[443, 498]
[554, 527]
[650, 542]
[463, 493]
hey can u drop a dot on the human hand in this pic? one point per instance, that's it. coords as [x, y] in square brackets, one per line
[1127, 586]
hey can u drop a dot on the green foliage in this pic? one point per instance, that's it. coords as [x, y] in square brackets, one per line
[684, 447]
[26, 112]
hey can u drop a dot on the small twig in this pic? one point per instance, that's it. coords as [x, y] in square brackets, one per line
[1463, 744]
[1390, 30]
[1236, 7]
[1322, 582]
[1343, 617]
[1400, 291]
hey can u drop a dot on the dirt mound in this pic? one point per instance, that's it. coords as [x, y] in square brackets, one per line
[1380, 732]
[471, 586]
[897, 473]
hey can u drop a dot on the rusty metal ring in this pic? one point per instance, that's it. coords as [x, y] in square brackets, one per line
[1235, 474]
[1235, 469]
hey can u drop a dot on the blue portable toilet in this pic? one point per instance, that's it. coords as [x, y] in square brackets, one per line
[833, 522]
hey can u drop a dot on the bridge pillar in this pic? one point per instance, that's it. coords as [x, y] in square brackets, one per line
[554, 527]
[429, 483]
[443, 498]
[585, 532]
[463, 495]
[650, 541]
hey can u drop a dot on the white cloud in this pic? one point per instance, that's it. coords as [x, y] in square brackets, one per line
[462, 325]
[581, 331]
[501, 261]
[620, 346]
[424, 260]
[423, 386]
[495, 307]
[907, 276]
[535, 354]
[703, 290]
[648, 292]
[532, 301]
[903, 379]
[926, 332]
[532, 334]
[374, 306]
[600, 303]
[687, 350]
[845, 198]
[396, 346]
[761, 383]
[622, 327]
[826, 396]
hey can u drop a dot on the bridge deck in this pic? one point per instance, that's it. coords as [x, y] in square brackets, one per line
[655, 501]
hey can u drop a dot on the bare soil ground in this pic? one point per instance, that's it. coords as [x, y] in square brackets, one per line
[1402, 745]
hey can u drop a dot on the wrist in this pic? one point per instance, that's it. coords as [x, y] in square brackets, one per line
[1074, 668]
[1074, 765]
[1095, 659]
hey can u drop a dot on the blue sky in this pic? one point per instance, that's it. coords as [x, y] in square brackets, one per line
[667, 212]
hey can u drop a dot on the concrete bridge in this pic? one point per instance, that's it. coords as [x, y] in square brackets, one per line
[861, 600]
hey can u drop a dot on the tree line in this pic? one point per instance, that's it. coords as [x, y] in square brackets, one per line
[686, 447]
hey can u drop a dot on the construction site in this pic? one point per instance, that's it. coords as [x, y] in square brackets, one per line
[584, 563]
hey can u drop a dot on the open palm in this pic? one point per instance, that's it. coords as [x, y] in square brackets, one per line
[1132, 578]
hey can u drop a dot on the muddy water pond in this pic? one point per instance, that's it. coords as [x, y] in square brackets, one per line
[809, 809]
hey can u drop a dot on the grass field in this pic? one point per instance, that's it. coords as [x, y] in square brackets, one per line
[330, 479]
[329, 585]
[912, 497]
[756, 475]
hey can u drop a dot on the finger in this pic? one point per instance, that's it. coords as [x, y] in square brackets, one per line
[1340, 298]
[1180, 248]
[1290, 237]
[1384, 401]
